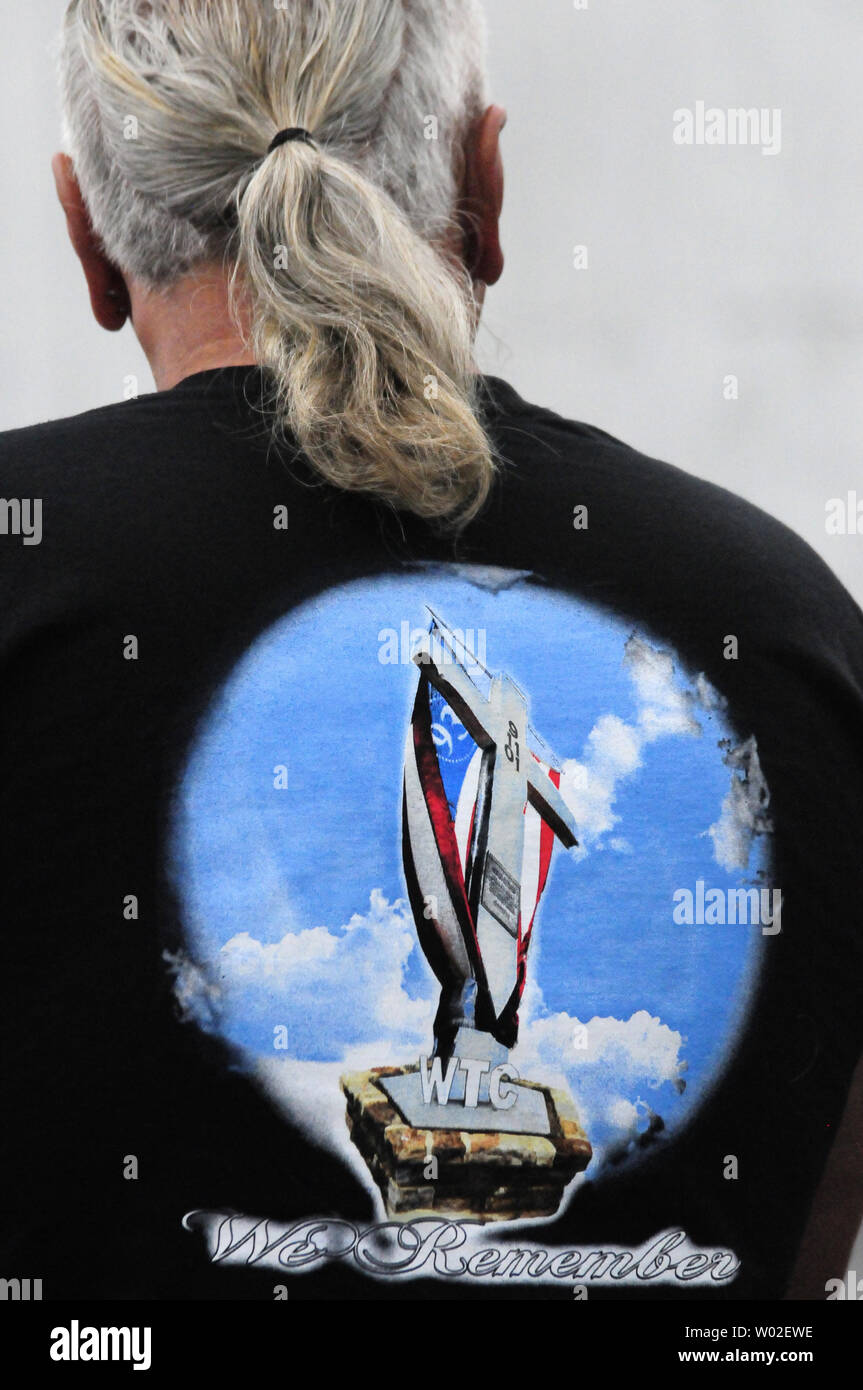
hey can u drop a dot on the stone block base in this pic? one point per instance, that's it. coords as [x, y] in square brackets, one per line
[458, 1175]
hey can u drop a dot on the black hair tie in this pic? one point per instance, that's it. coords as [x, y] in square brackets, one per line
[294, 132]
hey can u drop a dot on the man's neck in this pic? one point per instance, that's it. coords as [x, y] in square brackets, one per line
[189, 327]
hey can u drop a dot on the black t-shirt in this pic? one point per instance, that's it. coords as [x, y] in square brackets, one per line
[241, 825]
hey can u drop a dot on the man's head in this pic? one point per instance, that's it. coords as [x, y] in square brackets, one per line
[170, 105]
[356, 266]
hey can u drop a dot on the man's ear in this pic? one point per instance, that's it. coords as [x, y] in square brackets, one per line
[109, 297]
[482, 197]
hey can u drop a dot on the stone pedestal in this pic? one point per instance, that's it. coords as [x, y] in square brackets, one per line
[461, 1175]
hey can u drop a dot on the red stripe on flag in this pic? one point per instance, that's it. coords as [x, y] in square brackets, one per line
[546, 845]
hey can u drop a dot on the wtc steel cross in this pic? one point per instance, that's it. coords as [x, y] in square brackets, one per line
[510, 777]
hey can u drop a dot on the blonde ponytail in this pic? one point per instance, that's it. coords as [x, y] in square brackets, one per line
[367, 334]
[363, 329]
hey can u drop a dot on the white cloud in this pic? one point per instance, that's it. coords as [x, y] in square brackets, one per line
[665, 708]
[613, 749]
[244, 959]
[332, 990]
[198, 996]
[608, 1065]
[707, 695]
[494, 578]
[744, 810]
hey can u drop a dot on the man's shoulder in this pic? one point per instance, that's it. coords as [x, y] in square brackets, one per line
[608, 497]
[629, 480]
[42, 446]
[97, 485]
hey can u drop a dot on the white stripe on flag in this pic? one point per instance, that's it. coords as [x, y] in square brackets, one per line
[530, 865]
[465, 807]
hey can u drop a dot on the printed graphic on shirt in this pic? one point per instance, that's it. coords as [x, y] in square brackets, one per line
[477, 877]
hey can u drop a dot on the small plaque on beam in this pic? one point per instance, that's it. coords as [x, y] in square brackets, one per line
[501, 894]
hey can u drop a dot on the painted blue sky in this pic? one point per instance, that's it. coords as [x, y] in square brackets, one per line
[294, 896]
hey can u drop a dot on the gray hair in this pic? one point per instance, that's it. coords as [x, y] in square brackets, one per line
[366, 334]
